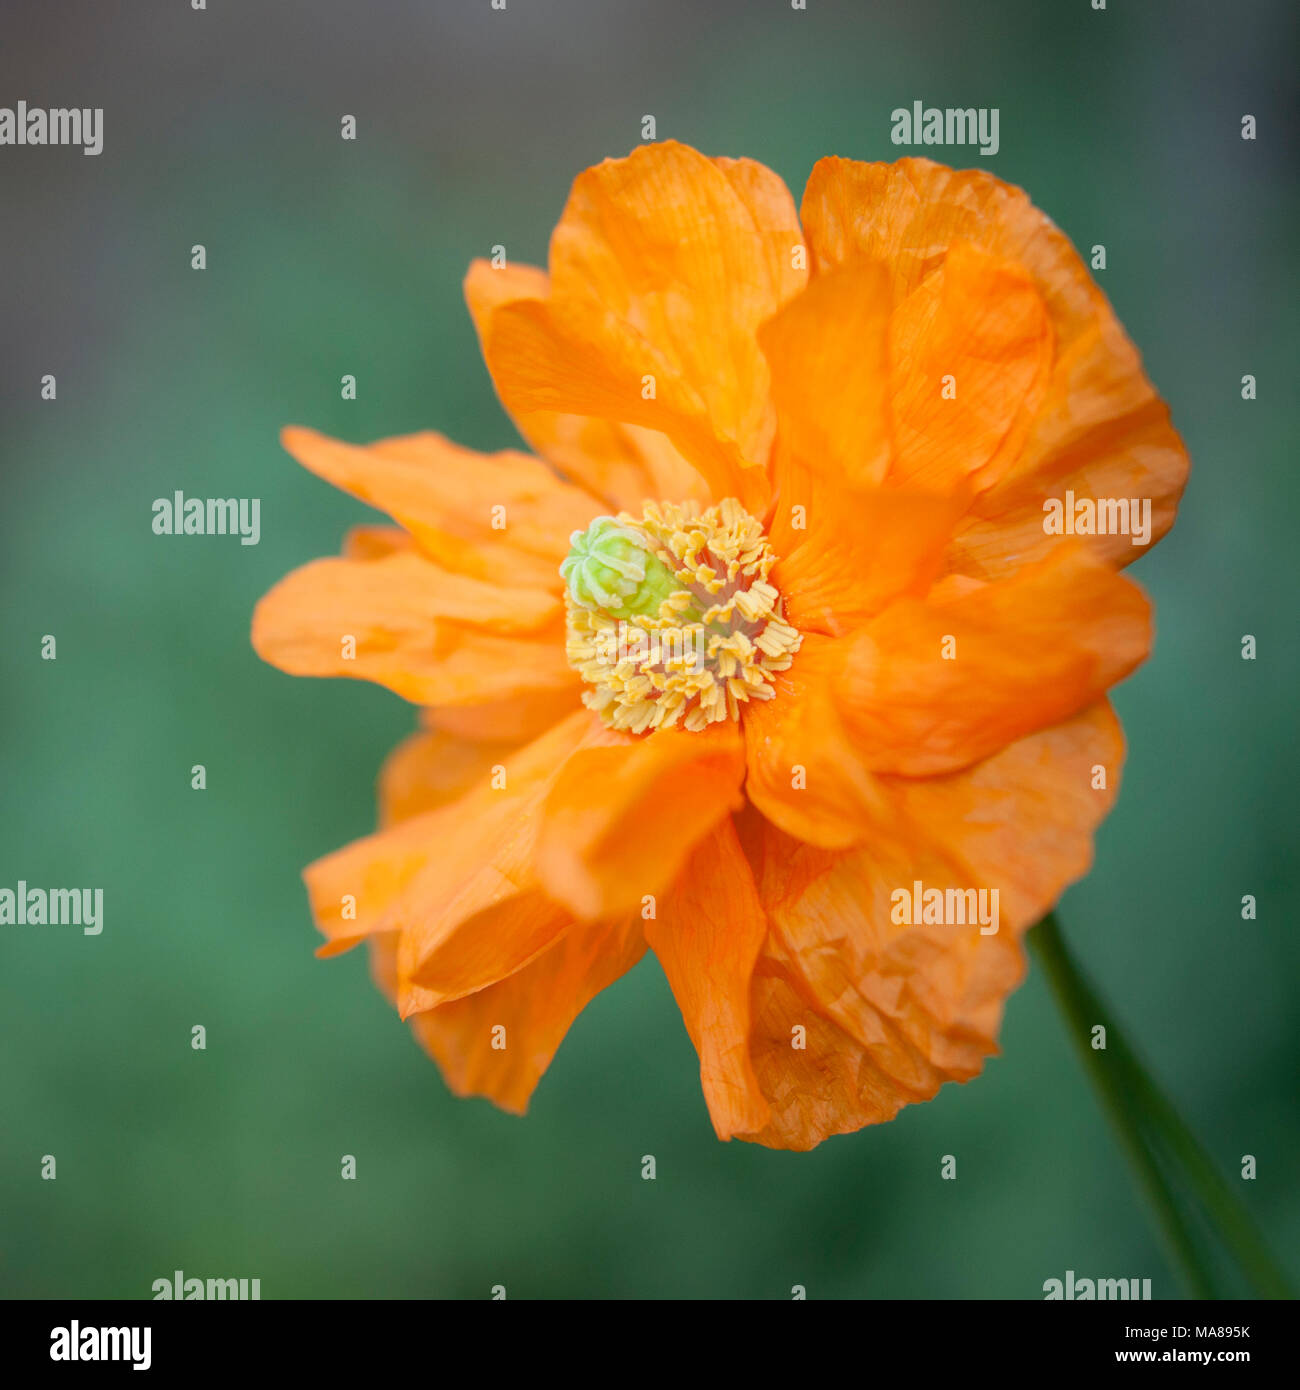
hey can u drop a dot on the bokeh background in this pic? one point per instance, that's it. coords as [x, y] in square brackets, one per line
[325, 257]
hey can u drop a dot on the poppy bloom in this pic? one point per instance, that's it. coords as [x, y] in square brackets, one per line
[769, 659]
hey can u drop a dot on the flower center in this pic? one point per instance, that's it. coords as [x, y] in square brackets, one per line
[671, 619]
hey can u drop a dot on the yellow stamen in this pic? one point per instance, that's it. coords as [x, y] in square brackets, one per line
[692, 632]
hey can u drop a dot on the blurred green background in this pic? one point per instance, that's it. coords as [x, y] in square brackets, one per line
[325, 257]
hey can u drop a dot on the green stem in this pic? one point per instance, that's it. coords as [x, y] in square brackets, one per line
[1081, 1014]
[1133, 1101]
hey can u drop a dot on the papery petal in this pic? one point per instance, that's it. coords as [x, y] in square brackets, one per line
[503, 517]
[1100, 431]
[432, 636]
[477, 910]
[625, 465]
[621, 820]
[662, 266]
[970, 352]
[855, 550]
[828, 354]
[376, 542]
[930, 686]
[431, 768]
[802, 770]
[892, 1009]
[707, 934]
[360, 889]
[535, 1007]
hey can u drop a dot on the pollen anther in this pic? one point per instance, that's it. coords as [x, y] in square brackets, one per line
[671, 618]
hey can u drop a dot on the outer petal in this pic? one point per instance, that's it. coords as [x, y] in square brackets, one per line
[477, 911]
[376, 543]
[846, 545]
[536, 1006]
[662, 265]
[622, 820]
[431, 768]
[892, 1010]
[438, 853]
[854, 550]
[828, 353]
[622, 464]
[538, 1003]
[517, 717]
[503, 517]
[933, 685]
[352, 890]
[432, 636]
[707, 935]
[803, 771]
[1029, 652]
[1101, 430]
[978, 326]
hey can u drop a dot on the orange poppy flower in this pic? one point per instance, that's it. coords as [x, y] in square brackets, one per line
[769, 643]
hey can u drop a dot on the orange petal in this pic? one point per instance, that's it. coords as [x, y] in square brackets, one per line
[828, 353]
[624, 465]
[431, 857]
[893, 1009]
[930, 686]
[432, 636]
[970, 352]
[854, 550]
[476, 911]
[818, 1080]
[515, 718]
[534, 1008]
[663, 265]
[803, 772]
[352, 889]
[1101, 430]
[431, 768]
[707, 935]
[458, 941]
[504, 517]
[622, 819]
[376, 542]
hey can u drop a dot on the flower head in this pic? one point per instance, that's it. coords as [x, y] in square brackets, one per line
[768, 659]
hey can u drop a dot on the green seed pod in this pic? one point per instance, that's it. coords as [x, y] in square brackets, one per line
[611, 569]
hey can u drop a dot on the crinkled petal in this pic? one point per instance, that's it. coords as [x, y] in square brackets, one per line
[970, 352]
[707, 934]
[1100, 430]
[890, 1008]
[663, 266]
[432, 636]
[828, 354]
[930, 686]
[621, 820]
[623, 464]
[477, 911]
[499, 1041]
[504, 517]
[802, 770]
